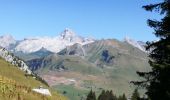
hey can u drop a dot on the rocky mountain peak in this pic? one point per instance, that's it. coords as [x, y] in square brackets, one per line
[68, 34]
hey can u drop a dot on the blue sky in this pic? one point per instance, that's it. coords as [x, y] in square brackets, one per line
[90, 18]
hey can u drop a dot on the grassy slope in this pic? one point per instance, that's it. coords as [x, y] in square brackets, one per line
[117, 77]
[12, 73]
[72, 63]
[72, 92]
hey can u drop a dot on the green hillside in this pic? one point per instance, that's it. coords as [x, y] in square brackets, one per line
[104, 64]
[14, 85]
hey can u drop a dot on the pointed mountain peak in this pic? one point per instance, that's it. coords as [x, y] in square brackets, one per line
[68, 30]
[43, 50]
[67, 33]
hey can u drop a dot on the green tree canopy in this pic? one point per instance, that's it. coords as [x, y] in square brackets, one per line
[157, 81]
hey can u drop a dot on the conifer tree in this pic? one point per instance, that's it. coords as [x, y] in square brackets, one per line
[157, 81]
[108, 95]
[135, 95]
[112, 96]
[123, 97]
[102, 95]
[91, 96]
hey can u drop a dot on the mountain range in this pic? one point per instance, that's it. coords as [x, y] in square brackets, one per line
[73, 64]
[53, 44]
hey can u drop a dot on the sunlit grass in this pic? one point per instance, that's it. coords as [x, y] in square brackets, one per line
[14, 85]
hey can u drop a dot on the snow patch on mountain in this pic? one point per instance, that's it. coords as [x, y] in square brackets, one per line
[53, 44]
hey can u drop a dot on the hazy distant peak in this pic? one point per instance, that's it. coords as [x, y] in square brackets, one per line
[68, 30]
[6, 41]
[135, 43]
[53, 44]
[127, 38]
[43, 49]
[7, 37]
[67, 34]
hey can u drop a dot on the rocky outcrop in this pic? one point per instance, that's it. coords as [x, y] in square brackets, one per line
[9, 57]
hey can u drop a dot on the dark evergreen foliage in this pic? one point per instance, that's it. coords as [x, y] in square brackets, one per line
[135, 95]
[91, 96]
[108, 95]
[157, 81]
[123, 97]
[102, 95]
[105, 95]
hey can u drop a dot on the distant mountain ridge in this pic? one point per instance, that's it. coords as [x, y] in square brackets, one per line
[52, 44]
[138, 44]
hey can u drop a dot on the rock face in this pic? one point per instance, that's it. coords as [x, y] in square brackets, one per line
[9, 57]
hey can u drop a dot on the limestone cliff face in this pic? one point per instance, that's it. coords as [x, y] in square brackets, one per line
[9, 57]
